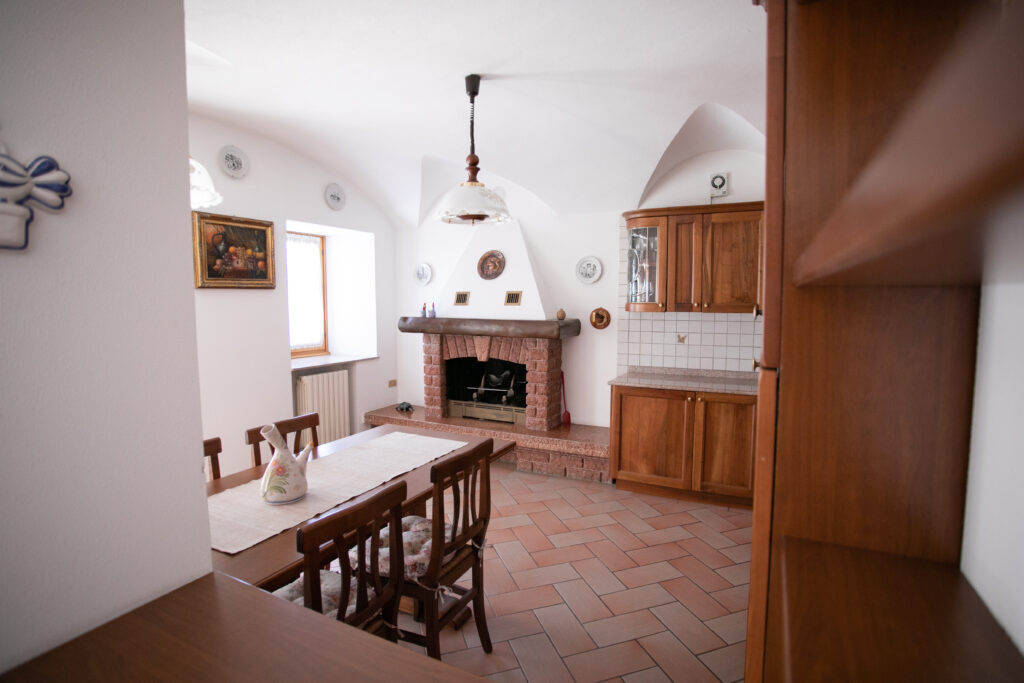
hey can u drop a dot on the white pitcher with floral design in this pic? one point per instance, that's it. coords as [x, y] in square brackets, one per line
[285, 478]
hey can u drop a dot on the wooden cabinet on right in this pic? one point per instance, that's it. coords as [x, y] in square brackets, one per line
[683, 440]
[695, 258]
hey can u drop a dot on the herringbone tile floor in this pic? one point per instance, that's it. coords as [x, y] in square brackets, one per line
[588, 583]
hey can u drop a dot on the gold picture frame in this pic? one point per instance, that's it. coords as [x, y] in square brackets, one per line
[232, 252]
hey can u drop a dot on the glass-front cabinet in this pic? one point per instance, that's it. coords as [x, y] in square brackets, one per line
[646, 260]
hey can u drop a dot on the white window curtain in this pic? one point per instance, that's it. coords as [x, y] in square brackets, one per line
[305, 292]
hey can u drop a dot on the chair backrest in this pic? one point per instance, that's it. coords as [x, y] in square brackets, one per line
[293, 425]
[211, 450]
[465, 480]
[357, 525]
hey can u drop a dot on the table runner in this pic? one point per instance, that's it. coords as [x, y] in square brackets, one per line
[240, 519]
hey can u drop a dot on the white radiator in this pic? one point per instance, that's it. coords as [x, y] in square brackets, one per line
[327, 394]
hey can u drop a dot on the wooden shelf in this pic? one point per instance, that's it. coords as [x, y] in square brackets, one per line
[916, 213]
[856, 615]
[534, 329]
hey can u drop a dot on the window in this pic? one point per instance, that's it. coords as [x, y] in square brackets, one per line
[307, 295]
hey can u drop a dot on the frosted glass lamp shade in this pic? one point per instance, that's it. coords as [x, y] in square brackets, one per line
[471, 203]
[203, 194]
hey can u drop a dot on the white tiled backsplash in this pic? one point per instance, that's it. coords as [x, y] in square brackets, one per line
[710, 341]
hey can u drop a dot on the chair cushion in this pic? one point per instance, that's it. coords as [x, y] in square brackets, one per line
[330, 593]
[416, 544]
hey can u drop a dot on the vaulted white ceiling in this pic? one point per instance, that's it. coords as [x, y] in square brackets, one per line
[579, 103]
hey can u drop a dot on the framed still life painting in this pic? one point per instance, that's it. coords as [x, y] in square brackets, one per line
[232, 252]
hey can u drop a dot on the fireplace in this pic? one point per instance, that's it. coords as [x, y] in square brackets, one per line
[455, 350]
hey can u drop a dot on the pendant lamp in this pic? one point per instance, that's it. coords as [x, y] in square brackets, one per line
[202, 193]
[471, 202]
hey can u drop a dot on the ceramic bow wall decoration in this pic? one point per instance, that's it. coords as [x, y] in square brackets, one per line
[41, 181]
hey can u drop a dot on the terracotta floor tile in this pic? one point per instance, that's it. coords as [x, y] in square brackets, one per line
[734, 599]
[675, 519]
[666, 535]
[631, 521]
[638, 598]
[539, 660]
[609, 494]
[713, 519]
[545, 558]
[515, 487]
[610, 554]
[657, 553]
[499, 535]
[520, 601]
[738, 553]
[543, 576]
[732, 628]
[668, 507]
[520, 508]
[621, 537]
[624, 627]
[536, 496]
[489, 552]
[648, 573]
[476, 661]
[652, 675]
[597, 576]
[532, 538]
[562, 509]
[639, 508]
[575, 497]
[515, 556]
[505, 627]
[709, 535]
[737, 575]
[606, 662]
[589, 522]
[597, 508]
[497, 579]
[705, 553]
[548, 522]
[564, 629]
[740, 535]
[499, 496]
[678, 663]
[511, 676]
[693, 633]
[582, 600]
[510, 521]
[727, 662]
[694, 599]
[706, 578]
[741, 518]
[575, 537]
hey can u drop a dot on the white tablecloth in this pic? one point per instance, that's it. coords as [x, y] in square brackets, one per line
[239, 518]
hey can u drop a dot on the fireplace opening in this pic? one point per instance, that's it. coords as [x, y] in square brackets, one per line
[487, 390]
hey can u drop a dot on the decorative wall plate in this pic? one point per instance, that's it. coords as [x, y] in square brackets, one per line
[588, 270]
[423, 273]
[334, 195]
[600, 317]
[491, 265]
[233, 161]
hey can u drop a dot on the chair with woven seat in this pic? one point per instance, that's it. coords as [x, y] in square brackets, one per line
[363, 594]
[432, 568]
[211, 450]
[293, 425]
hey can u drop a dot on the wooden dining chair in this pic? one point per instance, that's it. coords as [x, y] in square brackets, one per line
[211, 450]
[293, 425]
[363, 595]
[437, 553]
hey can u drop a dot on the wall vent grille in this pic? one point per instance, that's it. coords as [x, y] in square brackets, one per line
[513, 298]
[461, 298]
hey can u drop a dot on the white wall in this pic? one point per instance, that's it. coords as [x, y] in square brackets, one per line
[993, 549]
[689, 182]
[244, 361]
[103, 506]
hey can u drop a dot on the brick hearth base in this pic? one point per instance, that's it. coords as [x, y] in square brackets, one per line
[574, 451]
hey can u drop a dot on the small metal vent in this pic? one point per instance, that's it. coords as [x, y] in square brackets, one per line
[461, 298]
[513, 298]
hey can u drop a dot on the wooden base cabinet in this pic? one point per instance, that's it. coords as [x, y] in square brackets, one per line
[683, 440]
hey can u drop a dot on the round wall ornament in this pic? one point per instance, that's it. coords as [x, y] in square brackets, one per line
[588, 270]
[600, 317]
[423, 273]
[334, 195]
[491, 265]
[233, 161]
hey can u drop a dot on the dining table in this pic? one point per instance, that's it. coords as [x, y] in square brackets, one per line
[276, 561]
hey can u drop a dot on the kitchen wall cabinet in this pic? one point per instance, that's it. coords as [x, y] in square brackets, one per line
[686, 441]
[695, 258]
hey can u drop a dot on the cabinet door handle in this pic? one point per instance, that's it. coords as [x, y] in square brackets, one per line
[699, 399]
[755, 363]
[757, 311]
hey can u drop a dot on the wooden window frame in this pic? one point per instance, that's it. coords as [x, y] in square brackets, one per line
[320, 350]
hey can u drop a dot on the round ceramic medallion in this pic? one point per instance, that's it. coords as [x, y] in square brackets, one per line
[588, 269]
[233, 161]
[423, 273]
[600, 317]
[334, 195]
[491, 265]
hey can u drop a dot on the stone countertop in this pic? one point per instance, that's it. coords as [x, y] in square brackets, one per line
[680, 379]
